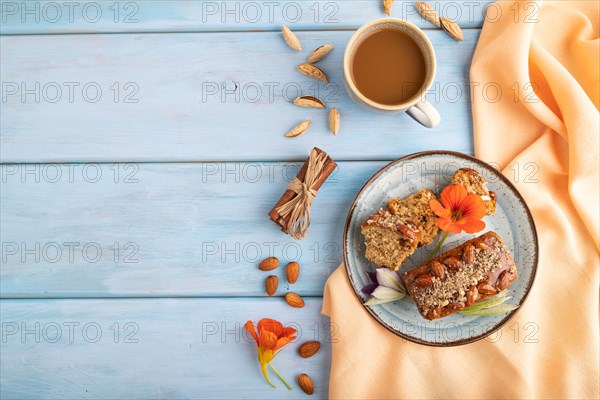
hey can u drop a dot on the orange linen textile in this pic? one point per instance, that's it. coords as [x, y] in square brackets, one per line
[547, 144]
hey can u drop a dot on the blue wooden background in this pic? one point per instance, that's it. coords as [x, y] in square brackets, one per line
[142, 147]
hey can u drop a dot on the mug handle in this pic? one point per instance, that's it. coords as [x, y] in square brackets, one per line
[425, 114]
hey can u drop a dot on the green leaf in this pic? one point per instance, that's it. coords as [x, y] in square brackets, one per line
[489, 302]
[498, 309]
[490, 306]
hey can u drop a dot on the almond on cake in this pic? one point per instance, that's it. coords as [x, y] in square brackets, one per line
[390, 239]
[475, 183]
[415, 208]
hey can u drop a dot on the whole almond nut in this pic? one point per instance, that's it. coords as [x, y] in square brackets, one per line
[482, 246]
[455, 305]
[268, 264]
[271, 284]
[319, 53]
[407, 232]
[290, 38]
[468, 254]
[309, 349]
[486, 288]
[292, 272]
[424, 280]
[434, 313]
[306, 384]
[490, 239]
[374, 218]
[312, 71]
[472, 296]
[294, 300]
[503, 279]
[453, 263]
[438, 270]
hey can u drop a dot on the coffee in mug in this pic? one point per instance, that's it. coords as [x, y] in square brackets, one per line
[388, 67]
[389, 64]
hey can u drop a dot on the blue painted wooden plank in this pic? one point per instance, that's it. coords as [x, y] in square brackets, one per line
[212, 96]
[92, 16]
[199, 229]
[152, 348]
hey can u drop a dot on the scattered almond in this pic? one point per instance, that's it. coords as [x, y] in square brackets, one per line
[309, 349]
[451, 28]
[309, 101]
[292, 271]
[312, 71]
[294, 300]
[268, 264]
[428, 13]
[334, 120]
[387, 6]
[306, 384]
[320, 53]
[271, 284]
[290, 38]
[299, 129]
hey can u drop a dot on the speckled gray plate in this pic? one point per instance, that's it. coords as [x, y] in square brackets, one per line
[433, 170]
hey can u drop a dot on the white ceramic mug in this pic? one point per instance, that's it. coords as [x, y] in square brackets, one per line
[417, 107]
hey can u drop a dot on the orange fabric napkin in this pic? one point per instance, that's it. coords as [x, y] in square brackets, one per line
[547, 143]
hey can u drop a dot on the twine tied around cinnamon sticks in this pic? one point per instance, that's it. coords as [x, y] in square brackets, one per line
[292, 211]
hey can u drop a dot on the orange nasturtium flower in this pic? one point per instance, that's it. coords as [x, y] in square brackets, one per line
[459, 210]
[271, 337]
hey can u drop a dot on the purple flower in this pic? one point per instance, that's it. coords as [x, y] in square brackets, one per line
[370, 288]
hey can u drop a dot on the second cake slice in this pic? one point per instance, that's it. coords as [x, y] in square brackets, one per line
[415, 208]
[389, 239]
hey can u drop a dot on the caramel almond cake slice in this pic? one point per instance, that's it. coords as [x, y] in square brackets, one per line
[461, 277]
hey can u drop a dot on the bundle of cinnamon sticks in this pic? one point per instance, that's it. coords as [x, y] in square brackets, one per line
[292, 213]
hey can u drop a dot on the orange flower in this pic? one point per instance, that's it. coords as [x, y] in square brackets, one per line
[460, 211]
[271, 337]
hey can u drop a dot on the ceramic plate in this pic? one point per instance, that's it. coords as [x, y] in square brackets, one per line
[433, 170]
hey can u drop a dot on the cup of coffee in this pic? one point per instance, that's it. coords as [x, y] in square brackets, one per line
[389, 65]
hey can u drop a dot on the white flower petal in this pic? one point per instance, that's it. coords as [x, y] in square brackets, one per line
[385, 293]
[373, 301]
[390, 279]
